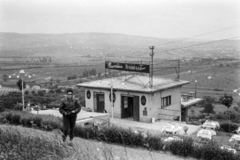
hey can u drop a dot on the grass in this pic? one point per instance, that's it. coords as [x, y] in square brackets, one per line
[27, 143]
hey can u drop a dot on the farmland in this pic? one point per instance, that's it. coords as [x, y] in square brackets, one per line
[224, 73]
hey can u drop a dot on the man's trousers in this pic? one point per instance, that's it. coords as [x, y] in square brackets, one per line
[69, 122]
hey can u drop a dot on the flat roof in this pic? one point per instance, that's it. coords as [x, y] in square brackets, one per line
[135, 83]
[190, 102]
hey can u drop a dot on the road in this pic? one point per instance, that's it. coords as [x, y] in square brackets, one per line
[209, 92]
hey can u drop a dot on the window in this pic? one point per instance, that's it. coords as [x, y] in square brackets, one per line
[166, 101]
[88, 94]
[143, 100]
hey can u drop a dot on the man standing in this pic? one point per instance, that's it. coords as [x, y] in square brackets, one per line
[69, 108]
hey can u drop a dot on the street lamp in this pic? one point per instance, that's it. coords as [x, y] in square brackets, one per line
[21, 75]
[195, 88]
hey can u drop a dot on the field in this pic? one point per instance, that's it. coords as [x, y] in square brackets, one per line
[214, 76]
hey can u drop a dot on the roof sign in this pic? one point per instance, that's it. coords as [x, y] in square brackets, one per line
[128, 67]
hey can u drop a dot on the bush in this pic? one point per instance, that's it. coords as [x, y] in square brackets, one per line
[221, 116]
[123, 136]
[41, 92]
[18, 107]
[46, 122]
[237, 109]
[53, 105]
[182, 148]
[226, 126]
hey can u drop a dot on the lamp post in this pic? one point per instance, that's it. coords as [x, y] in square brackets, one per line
[112, 95]
[21, 76]
[195, 88]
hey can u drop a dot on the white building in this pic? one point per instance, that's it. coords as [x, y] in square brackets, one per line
[134, 98]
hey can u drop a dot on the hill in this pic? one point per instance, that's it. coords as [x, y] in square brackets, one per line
[110, 45]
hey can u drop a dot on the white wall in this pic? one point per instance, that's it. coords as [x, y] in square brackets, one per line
[153, 103]
[175, 103]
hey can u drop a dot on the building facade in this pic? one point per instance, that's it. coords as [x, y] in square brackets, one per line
[134, 98]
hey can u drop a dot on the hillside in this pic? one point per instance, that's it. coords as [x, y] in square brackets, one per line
[110, 44]
[89, 149]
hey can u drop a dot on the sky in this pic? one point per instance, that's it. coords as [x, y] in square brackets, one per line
[152, 18]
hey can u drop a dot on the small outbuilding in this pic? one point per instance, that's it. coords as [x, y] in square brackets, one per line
[134, 98]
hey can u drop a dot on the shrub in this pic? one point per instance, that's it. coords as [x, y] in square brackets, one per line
[123, 136]
[155, 143]
[182, 148]
[41, 92]
[221, 116]
[18, 107]
[237, 108]
[226, 126]
[46, 122]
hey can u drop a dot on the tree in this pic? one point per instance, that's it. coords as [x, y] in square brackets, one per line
[207, 100]
[33, 92]
[226, 100]
[26, 92]
[208, 108]
[19, 84]
[51, 91]
[41, 93]
[5, 77]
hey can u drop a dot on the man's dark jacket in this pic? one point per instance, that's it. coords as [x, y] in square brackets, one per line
[68, 105]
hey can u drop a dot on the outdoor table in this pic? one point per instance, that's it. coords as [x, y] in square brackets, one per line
[236, 140]
[171, 129]
[211, 124]
[174, 138]
[228, 148]
[204, 133]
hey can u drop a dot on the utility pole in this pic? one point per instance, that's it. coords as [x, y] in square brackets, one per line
[151, 54]
[195, 88]
[112, 95]
[178, 69]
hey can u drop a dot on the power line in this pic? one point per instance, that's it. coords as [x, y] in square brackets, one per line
[207, 33]
[198, 45]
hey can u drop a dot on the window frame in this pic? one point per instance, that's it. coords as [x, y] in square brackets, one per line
[166, 101]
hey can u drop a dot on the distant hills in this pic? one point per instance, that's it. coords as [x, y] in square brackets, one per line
[111, 44]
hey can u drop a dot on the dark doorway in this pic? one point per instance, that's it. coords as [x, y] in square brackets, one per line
[130, 107]
[184, 114]
[136, 116]
[100, 103]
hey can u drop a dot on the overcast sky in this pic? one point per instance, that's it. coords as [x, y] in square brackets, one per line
[155, 18]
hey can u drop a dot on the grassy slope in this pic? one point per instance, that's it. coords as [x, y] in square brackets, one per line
[93, 149]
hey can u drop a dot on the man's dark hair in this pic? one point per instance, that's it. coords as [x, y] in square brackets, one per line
[69, 90]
